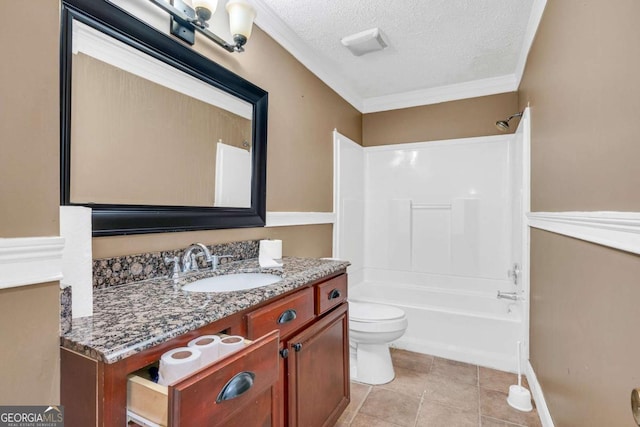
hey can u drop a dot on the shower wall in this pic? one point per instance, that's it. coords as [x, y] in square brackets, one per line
[432, 228]
[442, 208]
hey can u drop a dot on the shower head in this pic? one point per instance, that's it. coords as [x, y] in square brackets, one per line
[503, 125]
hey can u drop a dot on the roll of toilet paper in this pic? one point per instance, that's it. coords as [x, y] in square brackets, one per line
[230, 344]
[271, 248]
[77, 259]
[270, 251]
[208, 346]
[178, 363]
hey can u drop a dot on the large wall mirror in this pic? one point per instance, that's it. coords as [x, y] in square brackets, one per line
[155, 137]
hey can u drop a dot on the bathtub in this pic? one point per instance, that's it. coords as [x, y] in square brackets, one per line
[450, 322]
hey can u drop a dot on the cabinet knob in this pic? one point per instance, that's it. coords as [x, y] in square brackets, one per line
[297, 347]
[284, 353]
[334, 294]
[236, 386]
[287, 316]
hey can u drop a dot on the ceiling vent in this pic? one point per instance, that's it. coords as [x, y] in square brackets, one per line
[365, 42]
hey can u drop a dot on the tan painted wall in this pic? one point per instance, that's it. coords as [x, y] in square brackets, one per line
[448, 120]
[30, 359]
[29, 161]
[582, 82]
[310, 240]
[29, 198]
[160, 143]
[583, 85]
[584, 328]
[303, 112]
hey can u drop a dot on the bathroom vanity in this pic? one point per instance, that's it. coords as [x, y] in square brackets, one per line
[298, 349]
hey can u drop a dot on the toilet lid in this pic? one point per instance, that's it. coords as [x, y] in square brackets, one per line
[365, 311]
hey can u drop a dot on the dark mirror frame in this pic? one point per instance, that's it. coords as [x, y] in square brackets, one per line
[108, 219]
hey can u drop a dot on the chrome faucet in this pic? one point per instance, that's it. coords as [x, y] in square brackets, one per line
[174, 262]
[513, 296]
[189, 262]
[215, 260]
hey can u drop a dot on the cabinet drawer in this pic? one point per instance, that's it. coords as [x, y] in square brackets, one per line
[286, 315]
[201, 398]
[331, 293]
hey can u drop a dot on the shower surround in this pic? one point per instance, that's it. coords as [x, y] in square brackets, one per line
[438, 237]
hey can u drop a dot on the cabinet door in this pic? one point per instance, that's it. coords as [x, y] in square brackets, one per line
[318, 368]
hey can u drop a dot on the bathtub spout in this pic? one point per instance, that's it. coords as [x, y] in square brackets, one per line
[513, 296]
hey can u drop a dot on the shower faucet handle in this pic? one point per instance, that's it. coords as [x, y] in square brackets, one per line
[513, 296]
[514, 273]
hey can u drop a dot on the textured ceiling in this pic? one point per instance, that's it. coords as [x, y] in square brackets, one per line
[433, 43]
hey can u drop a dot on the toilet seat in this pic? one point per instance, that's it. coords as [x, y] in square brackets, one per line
[368, 312]
[367, 317]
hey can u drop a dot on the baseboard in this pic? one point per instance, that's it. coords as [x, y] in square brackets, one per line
[538, 397]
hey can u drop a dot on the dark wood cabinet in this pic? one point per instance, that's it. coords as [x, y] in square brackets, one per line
[299, 356]
[317, 369]
[314, 351]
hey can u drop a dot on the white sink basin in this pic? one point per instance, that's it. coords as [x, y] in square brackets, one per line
[232, 282]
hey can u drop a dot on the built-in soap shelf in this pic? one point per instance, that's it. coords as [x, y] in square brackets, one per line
[148, 401]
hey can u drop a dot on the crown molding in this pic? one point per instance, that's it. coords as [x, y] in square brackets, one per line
[472, 89]
[619, 230]
[532, 28]
[30, 260]
[289, 40]
[269, 22]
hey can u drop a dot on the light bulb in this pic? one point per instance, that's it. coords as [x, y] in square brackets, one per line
[205, 8]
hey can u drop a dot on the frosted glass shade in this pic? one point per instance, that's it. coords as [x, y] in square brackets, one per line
[241, 16]
[211, 5]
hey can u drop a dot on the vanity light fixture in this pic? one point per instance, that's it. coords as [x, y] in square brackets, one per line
[189, 16]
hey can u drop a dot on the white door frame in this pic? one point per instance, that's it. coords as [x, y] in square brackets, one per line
[524, 128]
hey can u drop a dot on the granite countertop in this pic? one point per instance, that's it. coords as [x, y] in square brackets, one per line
[130, 318]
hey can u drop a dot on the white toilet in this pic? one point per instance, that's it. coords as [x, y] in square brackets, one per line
[371, 328]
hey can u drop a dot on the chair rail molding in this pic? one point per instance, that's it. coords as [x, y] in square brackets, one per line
[619, 230]
[285, 219]
[30, 260]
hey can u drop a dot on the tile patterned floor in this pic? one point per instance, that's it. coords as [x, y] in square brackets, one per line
[433, 392]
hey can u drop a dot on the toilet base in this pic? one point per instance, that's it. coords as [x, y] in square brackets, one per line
[371, 364]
